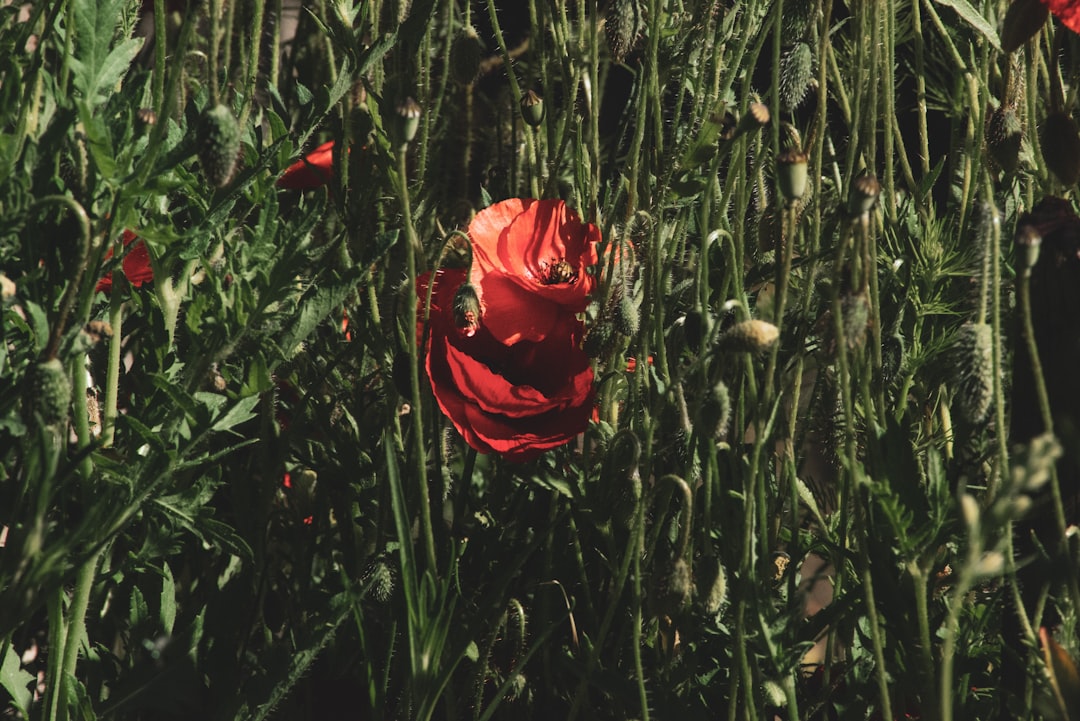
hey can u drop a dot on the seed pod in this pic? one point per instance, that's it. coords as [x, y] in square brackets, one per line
[865, 190]
[219, 145]
[532, 109]
[791, 174]
[796, 74]
[1004, 136]
[406, 122]
[465, 56]
[1023, 19]
[1061, 147]
[51, 391]
[749, 336]
[1028, 242]
[973, 370]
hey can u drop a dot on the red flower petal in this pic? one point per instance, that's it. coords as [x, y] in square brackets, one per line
[136, 264]
[314, 170]
[1067, 11]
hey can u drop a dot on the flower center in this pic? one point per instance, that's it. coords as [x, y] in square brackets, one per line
[557, 271]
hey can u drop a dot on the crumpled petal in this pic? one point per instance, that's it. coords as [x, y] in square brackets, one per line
[1067, 11]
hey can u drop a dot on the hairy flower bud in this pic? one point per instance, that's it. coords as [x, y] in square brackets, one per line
[750, 336]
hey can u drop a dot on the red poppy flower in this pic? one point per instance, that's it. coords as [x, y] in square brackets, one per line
[136, 264]
[314, 170]
[1067, 11]
[516, 383]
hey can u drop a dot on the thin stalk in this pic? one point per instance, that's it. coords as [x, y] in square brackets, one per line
[412, 246]
[76, 628]
[112, 374]
[253, 61]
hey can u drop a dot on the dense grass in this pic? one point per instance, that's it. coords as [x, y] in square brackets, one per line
[825, 374]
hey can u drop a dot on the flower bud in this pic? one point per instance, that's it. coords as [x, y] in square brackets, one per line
[791, 174]
[623, 27]
[973, 368]
[626, 318]
[532, 109]
[467, 309]
[712, 584]
[1004, 136]
[407, 121]
[465, 56]
[865, 190]
[1060, 139]
[715, 411]
[970, 510]
[1028, 241]
[219, 145]
[51, 391]
[599, 340]
[1023, 19]
[796, 75]
[750, 336]
[672, 590]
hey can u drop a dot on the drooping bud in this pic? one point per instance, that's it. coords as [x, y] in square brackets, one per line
[599, 340]
[1028, 242]
[467, 309]
[715, 411]
[465, 56]
[865, 190]
[532, 109]
[711, 583]
[1023, 19]
[749, 336]
[791, 174]
[1060, 140]
[1004, 137]
[623, 27]
[626, 318]
[672, 589]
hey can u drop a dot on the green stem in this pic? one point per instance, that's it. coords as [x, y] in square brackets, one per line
[412, 245]
[76, 629]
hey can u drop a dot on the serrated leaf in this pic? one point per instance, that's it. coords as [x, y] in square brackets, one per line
[16, 681]
[94, 63]
[168, 600]
[242, 411]
[974, 18]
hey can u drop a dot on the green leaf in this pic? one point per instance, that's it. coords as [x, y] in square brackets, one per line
[16, 681]
[975, 19]
[95, 65]
[168, 600]
[241, 412]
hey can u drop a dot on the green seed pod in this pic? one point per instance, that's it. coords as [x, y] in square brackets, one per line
[865, 190]
[1004, 137]
[1060, 139]
[1023, 20]
[406, 122]
[465, 55]
[51, 391]
[750, 336]
[791, 174]
[219, 145]
[532, 109]
[796, 75]
[973, 366]
[1028, 242]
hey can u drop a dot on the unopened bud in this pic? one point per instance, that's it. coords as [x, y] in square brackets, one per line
[467, 309]
[1023, 19]
[750, 336]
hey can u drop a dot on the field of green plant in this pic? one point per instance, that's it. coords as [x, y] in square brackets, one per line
[545, 359]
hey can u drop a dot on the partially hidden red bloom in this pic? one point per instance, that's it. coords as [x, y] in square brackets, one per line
[136, 264]
[1067, 11]
[314, 170]
[517, 383]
